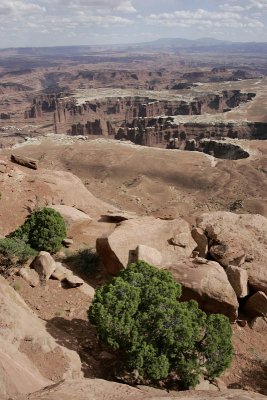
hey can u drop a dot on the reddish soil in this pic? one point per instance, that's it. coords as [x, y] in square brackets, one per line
[65, 313]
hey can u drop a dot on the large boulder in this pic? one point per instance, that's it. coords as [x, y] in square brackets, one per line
[259, 324]
[238, 240]
[207, 283]
[44, 265]
[238, 277]
[149, 255]
[257, 276]
[75, 219]
[172, 239]
[202, 241]
[22, 336]
[30, 276]
[256, 305]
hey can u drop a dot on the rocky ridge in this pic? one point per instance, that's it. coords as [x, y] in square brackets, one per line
[234, 242]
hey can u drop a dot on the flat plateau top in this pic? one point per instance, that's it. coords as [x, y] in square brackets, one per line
[254, 110]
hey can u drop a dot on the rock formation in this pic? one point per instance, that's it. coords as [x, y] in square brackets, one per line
[236, 242]
[172, 239]
[139, 119]
[91, 389]
[22, 334]
[207, 283]
[239, 240]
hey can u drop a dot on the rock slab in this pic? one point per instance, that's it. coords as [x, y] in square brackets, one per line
[238, 278]
[92, 389]
[18, 372]
[207, 283]
[116, 250]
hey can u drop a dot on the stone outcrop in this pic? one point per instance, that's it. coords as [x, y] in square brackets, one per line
[118, 249]
[163, 132]
[91, 389]
[236, 243]
[139, 119]
[239, 240]
[222, 150]
[42, 104]
[207, 283]
[22, 333]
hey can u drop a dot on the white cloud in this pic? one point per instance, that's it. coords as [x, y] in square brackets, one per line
[261, 4]
[9, 7]
[232, 8]
[246, 6]
[204, 19]
[46, 16]
[124, 6]
[27, 21]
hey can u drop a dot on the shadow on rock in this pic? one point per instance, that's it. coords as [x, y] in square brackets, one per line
[79, 335]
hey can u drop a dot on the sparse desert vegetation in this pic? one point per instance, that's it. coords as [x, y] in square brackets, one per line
[133, 220]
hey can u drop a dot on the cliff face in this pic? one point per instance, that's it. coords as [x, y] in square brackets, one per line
[40, 105]
[162, 131]
[139, 119]
[223, 150]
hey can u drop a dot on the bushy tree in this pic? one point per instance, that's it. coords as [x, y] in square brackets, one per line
[44, 229]
[139, 314]
[13, 252]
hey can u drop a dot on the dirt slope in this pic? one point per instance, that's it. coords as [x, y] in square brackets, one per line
[165, 183]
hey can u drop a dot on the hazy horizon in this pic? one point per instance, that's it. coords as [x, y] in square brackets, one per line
[45, 23]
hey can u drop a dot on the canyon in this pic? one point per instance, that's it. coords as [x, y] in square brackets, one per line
[147, 151]
[156, 99]
[164, 120]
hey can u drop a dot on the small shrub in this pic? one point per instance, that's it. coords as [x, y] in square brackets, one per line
[14, 252]
[60, 313]
[16, 286]
[84, 261]
[44, 229]
[139, 315]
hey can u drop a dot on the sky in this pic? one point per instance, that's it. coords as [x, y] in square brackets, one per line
[86, 22]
